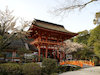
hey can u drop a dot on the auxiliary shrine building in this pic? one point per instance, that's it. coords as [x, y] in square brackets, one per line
[49, 38]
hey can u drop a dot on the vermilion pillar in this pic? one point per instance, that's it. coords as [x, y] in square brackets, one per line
[46, 54]
[39, 52]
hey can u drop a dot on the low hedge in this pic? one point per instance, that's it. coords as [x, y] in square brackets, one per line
[31, 69]
[10, 69]
[18, 69]
[54, 74]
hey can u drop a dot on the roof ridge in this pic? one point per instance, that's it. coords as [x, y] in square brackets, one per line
[49, 22]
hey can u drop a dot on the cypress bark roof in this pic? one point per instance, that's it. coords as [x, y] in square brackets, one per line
[49, 25]
[17, 44]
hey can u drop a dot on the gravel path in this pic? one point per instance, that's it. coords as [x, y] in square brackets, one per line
[86, 71]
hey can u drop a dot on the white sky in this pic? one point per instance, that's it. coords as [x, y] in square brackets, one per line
[30, 9]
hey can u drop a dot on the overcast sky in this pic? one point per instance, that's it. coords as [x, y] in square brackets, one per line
[39, 9]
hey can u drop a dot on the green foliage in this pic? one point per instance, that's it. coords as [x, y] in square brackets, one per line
[31, 69]
[77, 68]
[94, 41]
[21, 51]
[85, 53]
[74, 68]
[10, 69]
[94, 36]
[18, 69]
[82, 37]
[54, 74]
[62, 69]
[97, 49]
[49, 66]
[95, 60]
[1, 74]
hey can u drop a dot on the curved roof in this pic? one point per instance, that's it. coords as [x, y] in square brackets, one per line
[18, 43]
[49, 25]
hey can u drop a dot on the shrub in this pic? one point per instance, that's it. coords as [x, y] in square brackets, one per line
[96, 60]
[31, 69]
[1, 74]
[77, 68]
[54, 74]
[62, 69]
[10, 69]
[49, 66]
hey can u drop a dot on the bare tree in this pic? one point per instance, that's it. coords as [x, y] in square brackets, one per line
[70, 5]
[7, 26]
[8, 29]
[21, 30]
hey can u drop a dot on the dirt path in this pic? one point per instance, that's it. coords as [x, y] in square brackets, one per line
[86, 71]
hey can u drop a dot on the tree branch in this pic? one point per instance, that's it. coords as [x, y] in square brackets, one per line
[72, 7]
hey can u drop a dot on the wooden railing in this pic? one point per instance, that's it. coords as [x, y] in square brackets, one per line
[78, 63]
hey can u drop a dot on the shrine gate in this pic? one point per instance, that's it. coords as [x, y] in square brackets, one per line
[48, 38]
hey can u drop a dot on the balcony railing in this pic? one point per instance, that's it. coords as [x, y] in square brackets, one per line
[47, 41]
